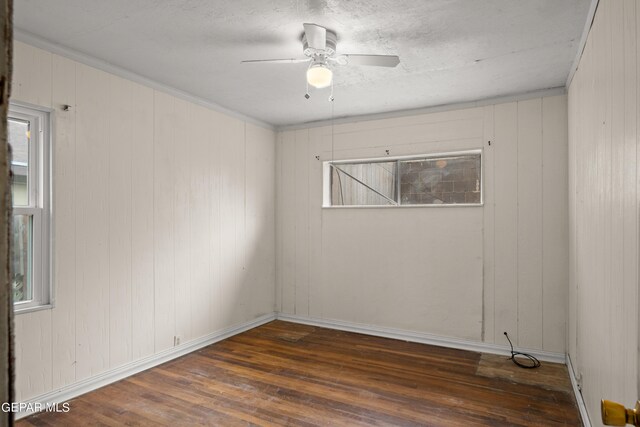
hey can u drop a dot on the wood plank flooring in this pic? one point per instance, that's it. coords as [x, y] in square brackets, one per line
[288, 374]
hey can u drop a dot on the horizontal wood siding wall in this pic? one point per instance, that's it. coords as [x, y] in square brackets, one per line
[468, 272]
[164, 223]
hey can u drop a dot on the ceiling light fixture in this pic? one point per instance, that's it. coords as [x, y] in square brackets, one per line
[319, 75]
[319, 47]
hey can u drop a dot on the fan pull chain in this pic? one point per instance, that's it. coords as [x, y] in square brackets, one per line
[331, 98]
[306, 94]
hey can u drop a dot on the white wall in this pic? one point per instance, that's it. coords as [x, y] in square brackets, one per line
[468, 272]
[603, 147]
[163, 223]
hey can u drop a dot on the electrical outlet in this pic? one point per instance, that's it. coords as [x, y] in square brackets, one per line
[579, 381]
[176, 340]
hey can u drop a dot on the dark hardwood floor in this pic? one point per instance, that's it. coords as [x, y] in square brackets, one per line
[288, 374]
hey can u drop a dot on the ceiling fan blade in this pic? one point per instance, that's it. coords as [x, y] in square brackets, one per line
[373, 60]
[279, 61]
[316, 36]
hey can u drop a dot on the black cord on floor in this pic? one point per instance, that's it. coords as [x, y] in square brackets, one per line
[527, 361]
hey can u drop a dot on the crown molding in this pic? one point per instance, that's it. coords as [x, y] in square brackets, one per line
[41, 43]
[426, 110]
[583, 40]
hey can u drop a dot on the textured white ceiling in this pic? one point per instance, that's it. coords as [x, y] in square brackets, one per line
[450, 50]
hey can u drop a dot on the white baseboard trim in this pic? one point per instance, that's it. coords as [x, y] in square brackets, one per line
[586, 422]
[81, 387]
[420, 337]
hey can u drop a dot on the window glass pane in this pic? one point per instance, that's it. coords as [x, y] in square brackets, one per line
[21, 262]
[363, 184]
[19, 134]
[443, 180]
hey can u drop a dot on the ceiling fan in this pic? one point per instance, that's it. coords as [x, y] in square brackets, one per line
[319, 47]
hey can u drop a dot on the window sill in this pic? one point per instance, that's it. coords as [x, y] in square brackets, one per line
[21, 310]
[455, 205]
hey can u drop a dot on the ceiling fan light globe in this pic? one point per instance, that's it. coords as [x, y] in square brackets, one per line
[319, 76]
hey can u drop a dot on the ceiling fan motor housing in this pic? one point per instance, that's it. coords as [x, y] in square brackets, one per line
[329, 50]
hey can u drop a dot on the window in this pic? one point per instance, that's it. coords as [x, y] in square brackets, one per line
[442, 179]
[28, 133]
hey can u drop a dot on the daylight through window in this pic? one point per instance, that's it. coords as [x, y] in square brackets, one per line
[28, 133]
[443, 179]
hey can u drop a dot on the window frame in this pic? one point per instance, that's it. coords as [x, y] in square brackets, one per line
[327, 176]
[39, 208]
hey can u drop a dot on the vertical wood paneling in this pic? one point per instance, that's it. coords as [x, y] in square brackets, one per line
[260, 216]
[183, 132]
[252, 261]
[232, 195]
[32, 75]
[92, 226]
[21, 387]
[573, 190]
[33, 353]
[506, 215]
[604, 87]
[342, 262]
[227, 216]
[215, 162]
[63, 150]
[121, 116]
[358, 265]
[631, 121]
[199, 291]
[616, 200]
[163, 220]
[555, 237]
[583, 145]
[635, 314]
[137, 197]
[280, 197]
[287, 231]
[585, 154]
[242, 253]
[314, 202]
[301, 221]
[604, 252]
[530, 223]
[142, 224]
[488, 250]
[241, 291]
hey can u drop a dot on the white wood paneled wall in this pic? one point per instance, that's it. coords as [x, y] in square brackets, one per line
[163, 223]
[603, 143]
[468, 272]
